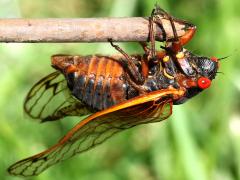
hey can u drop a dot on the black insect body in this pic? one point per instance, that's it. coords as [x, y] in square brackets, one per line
[121, 91]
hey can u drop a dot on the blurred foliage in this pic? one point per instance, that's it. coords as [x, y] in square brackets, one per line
[200, 141]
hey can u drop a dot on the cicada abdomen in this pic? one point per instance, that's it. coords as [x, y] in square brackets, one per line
[97, 81]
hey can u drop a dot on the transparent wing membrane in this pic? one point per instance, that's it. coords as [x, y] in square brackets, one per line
[97, 128]
[50, 99]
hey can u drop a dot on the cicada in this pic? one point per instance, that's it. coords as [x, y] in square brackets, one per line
[117, 92]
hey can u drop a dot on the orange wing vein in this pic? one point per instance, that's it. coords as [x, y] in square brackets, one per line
[97, 128]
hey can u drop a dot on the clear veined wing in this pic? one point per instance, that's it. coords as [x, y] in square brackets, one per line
[50, 99]
[97, 128]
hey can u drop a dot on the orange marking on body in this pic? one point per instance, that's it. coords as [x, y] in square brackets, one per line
[61, 62]
[100, 71]
[71, 69]
[191, 83]
[93, 64]
[160, 54]
[116, 83]
[101, 68]
[107, 73]
[91, 71]
[144, 65]
[117, 70]
[176, 46]
[81, 66]
[187, 36]
[109, 67]
[185, 82]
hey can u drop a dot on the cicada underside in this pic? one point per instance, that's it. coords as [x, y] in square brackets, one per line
[117, 92]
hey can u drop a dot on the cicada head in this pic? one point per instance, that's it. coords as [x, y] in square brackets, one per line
[197, 73]
[206, 67]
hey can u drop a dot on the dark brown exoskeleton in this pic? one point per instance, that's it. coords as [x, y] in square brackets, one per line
[121, 91]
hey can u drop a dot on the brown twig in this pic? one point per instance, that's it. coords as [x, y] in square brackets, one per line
[81, 30]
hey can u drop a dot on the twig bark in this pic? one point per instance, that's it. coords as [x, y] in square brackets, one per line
[82, 30]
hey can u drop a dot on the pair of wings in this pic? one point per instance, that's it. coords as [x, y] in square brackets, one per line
[42, 103]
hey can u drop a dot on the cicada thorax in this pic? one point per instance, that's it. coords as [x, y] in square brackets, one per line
[98, 81]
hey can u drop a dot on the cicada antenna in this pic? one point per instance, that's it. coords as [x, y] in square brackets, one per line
[225, 57]
[219, 72]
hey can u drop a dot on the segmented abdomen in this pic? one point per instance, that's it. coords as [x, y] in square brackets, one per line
[99, 81]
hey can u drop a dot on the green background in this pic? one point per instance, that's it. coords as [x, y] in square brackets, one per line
[201, 140]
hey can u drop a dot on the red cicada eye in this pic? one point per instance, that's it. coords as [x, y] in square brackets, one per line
[204, 82]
